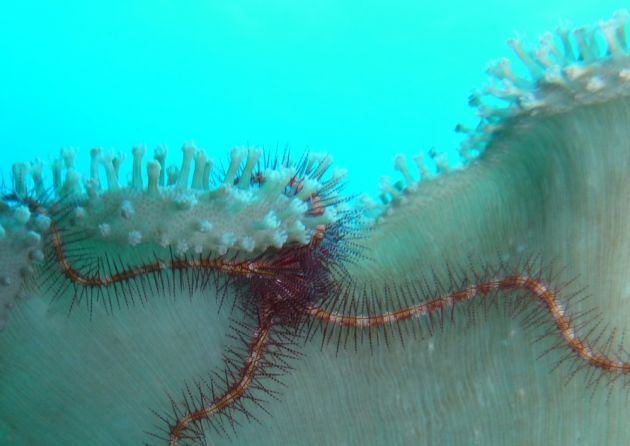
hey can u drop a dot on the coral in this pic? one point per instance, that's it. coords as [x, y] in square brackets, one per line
[545, 177]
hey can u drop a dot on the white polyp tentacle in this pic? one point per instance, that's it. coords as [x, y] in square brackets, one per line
[160, 157]
[154, 170]
[389, 193]
[68, 154]
[198, 173]
[500, 69]
[91, 189]
[509, 91]
[401, 166]
[118, 160]
[207, 169]
[440, 161]
[542, 56]
[253, 155]
[136, 173]
[609, 32]
[516, 45]
[586, 55]
[56, 167]
[72, 183]
[36, 167]
[172, 173]
[546, 40]
[111, 173]
[237, 155]
[20, 171]
[423, 170]
[188, 151]
[563, 33]
[621, 17]
[276, 181]
[95, 160]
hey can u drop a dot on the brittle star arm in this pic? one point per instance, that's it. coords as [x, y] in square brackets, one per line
[239, 268]
[235, 392]
[535, 287]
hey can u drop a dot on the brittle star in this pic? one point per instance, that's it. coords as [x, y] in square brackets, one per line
[300, 283]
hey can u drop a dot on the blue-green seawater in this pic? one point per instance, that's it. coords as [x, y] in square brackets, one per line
[363, 80]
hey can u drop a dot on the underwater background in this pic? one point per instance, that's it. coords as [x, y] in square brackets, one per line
[363, 80]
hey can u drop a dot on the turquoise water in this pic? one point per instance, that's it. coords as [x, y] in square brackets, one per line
[362, 80]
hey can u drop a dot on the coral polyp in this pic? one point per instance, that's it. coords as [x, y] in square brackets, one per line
[467, 274]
